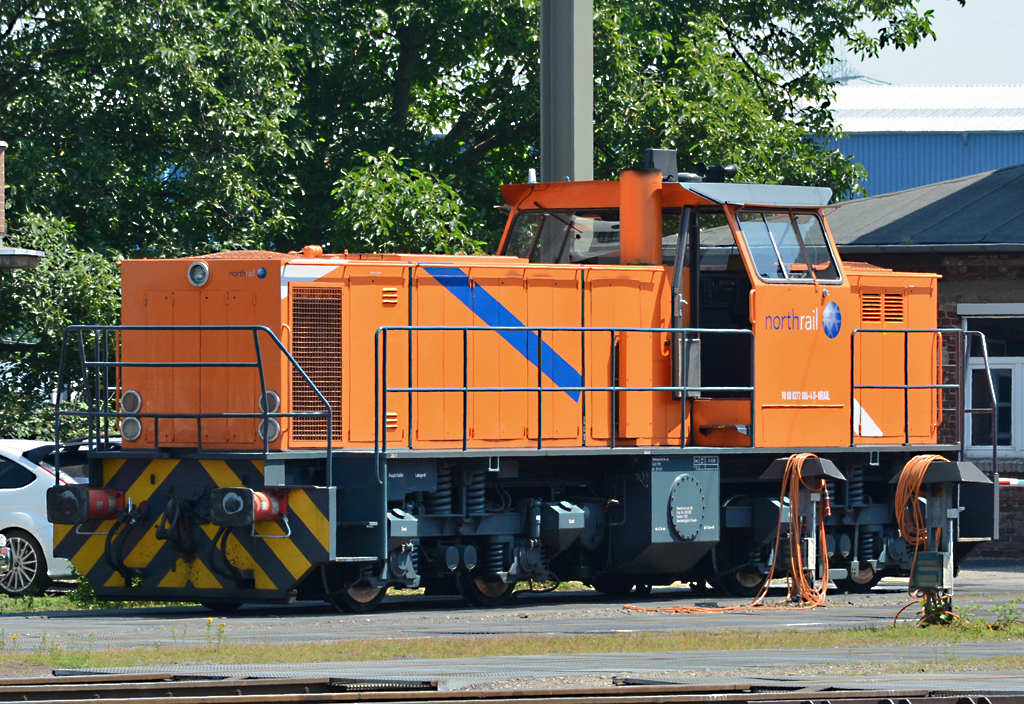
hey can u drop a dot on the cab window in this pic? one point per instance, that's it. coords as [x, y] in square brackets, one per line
[788, 247]
[580, 237]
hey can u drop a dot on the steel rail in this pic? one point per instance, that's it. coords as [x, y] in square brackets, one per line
[187, 689]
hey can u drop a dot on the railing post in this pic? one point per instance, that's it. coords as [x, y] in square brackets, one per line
[906, 387]
[56, 411]
[684, 381]
[540, 387]
[465, 388]
[382, 477]
[376, 401]
[615, 392]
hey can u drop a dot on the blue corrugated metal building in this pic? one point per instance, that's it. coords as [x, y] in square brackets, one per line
[910, 136]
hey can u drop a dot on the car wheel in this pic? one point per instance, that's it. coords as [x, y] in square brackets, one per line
[28, 565]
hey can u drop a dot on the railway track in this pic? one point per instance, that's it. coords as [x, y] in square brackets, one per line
[178, 689]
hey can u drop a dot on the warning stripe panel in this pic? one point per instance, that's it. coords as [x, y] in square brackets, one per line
[277, 563]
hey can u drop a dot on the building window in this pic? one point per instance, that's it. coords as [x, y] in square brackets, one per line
[1004, 337]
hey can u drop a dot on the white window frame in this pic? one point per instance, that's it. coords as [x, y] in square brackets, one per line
[1015, 364]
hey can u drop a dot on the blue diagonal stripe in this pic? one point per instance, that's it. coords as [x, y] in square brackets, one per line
[493, 314]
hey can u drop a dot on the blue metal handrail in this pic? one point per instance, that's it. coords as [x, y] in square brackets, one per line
[381, 391]
[97, 388]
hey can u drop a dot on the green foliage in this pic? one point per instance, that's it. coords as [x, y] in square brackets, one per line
[1008, 616]
[69, 286]
[388, 208]
[167, 127]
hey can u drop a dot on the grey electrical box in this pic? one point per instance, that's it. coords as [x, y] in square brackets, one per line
[932, 570]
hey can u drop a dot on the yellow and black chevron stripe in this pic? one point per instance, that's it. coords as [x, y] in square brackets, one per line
[278, 563]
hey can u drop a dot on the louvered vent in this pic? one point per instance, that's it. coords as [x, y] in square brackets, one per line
[894, 307]
[871, 307]
[316, 346]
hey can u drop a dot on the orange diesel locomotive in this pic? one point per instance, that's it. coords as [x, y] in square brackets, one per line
[599, 402]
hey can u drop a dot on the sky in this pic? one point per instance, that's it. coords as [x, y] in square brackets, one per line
[979, 44]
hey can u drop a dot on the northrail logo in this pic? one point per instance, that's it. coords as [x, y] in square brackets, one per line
[792, 321]
[830, 321]
[253, 273]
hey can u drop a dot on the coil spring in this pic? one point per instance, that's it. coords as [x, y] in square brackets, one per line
[416, 557]
[855, 487]
[492, 558]
[866, 546]
[475, 495]
[830, 487]
[440, 501]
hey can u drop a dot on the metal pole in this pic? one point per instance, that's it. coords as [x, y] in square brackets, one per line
[566, 90]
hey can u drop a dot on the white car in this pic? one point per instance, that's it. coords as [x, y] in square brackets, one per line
[26, 472]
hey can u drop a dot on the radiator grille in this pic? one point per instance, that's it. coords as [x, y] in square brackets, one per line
[871, 307]
[894, 307]
[316, 346]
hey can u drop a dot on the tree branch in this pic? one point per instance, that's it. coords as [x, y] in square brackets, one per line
[409, 42]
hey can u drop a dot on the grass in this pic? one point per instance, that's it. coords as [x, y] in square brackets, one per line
[213, 646]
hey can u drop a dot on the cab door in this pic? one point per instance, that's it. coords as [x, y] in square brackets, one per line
[802, 346]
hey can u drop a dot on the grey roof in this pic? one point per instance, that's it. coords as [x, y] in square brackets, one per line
[870, 108]
[980, 212]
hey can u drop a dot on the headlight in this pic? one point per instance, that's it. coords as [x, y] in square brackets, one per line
[131, 402]
[273, 432]
[270, 402]
[198, 274]
[131, 429]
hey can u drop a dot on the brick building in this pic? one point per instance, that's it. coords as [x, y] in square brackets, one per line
[971, 232]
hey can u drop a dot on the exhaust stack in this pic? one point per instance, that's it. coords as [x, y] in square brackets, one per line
[640, 217]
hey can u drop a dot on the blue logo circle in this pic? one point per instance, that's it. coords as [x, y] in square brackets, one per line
[831, 320]
[262, 273]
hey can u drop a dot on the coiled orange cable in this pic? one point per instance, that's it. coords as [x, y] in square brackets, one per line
[799, 587]
[911, 520]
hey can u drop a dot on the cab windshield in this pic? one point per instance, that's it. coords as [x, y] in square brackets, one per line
[788, 245]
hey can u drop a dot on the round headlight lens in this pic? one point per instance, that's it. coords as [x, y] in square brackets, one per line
[131, 429]
[198, 274]
[274, 429]
[131, 401]
[270, 402]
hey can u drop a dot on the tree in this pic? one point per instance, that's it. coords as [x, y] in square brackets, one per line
[69, 286]
[387, 208]
[162, 127]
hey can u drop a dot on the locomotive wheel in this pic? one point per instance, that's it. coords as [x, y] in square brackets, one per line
[483, 592]
[745, 582]
[863, 583]
[617, 587]
[359, 599]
